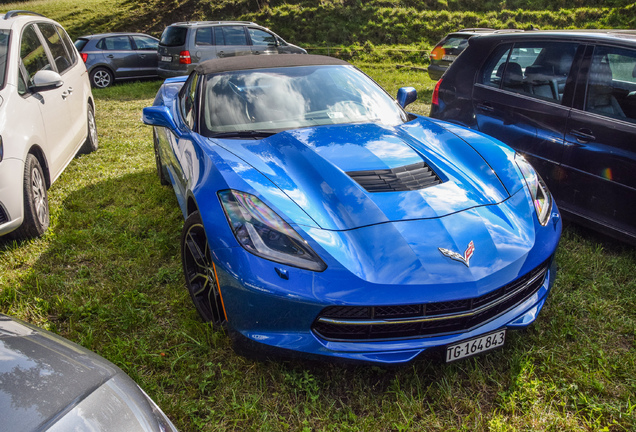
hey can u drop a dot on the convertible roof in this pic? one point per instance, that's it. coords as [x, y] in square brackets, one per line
[264, 62]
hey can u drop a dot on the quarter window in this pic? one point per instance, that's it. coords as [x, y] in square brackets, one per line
[611, 85]
[203, 36]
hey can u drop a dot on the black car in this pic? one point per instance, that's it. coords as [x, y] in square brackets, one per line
[115, 56]
[567, 101]
[447, 50]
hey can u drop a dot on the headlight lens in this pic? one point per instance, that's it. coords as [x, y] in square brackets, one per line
[262, 232]
[541, 196]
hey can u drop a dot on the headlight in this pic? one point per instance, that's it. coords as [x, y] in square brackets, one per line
[262, 232]
[541, 196]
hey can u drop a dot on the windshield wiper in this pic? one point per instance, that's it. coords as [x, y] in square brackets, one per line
[244, 134]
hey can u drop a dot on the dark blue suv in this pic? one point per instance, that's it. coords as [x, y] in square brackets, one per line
[567, 101]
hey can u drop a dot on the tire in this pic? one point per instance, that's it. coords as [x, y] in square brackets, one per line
[199, 272]
[102, 77]
[91, 143]
[36, 201]
[161, 173]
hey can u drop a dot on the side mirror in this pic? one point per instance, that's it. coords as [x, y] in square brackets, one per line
[45, 80]
[159, 116]
[406, 96]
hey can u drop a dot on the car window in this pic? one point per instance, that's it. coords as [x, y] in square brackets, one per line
[230, 35]
[4, 46]
[145, 42]
[80, 44]
[293, 97]
[536, 69]
[261, 38]
[60, 54]
[118, 43]
[611, 85]
[203, 36]
[174, 36]
[32, 52]
[67, 43]
[188, 100]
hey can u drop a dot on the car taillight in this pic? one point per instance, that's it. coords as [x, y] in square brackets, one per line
[437, 53]
[435, 98]
[184, 57]
[84, 56]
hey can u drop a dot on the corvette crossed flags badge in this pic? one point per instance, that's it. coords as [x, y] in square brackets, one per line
[468, 253]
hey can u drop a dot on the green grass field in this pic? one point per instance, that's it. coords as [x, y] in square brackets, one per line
[108, 276]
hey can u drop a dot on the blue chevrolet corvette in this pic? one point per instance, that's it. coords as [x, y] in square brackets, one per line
[321, 218]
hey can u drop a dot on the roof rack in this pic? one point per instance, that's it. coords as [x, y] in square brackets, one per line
[476, 29]
[15, 13]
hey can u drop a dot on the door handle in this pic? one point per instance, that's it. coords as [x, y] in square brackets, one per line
[67, 93]
[220, 53]
[257, 52]
[583, 135]
[485, 106]
[142, 55]
[110, 56]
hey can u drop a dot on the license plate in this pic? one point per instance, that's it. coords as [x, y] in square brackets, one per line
[449, 58]
[475, 346]
[166, 58]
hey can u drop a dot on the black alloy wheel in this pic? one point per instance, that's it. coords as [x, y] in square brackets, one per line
[199, 271]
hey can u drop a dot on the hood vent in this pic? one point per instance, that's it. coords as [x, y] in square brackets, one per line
[406, 178]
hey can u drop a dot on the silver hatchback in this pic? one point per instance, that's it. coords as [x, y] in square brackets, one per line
[184, 45]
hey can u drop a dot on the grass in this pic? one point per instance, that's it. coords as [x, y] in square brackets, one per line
[108, 276]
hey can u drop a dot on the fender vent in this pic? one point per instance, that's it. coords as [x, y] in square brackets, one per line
[406, 178]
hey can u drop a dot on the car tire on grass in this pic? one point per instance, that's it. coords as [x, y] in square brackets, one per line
[101, 77]
[36, 202]
[91, 143]
[200, 273]
[161, 172]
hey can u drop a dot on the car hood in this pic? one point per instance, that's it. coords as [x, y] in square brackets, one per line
[49, 383]
[313, 167]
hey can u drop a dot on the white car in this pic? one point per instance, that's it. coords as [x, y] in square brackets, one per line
[47, 116]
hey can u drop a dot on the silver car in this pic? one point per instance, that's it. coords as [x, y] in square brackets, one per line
[184, 45]
[48, 383]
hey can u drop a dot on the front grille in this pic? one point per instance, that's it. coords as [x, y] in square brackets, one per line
[353, 323]
[406, 178]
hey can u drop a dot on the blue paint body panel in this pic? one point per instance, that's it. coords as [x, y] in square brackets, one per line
[380, 248]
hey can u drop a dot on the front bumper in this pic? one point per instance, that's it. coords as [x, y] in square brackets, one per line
[271, 321]
[11, 195]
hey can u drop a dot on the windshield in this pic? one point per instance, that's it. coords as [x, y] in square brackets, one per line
[294, 97]
[4, 46]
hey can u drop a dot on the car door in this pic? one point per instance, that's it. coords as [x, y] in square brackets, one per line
[147, 57]
[231, 41]
[53, 105]
[119, 54]
[262, 41]
[521, 97]
[71, 71]
[599, 161]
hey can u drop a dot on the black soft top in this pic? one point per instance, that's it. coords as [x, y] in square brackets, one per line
[264, 62]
